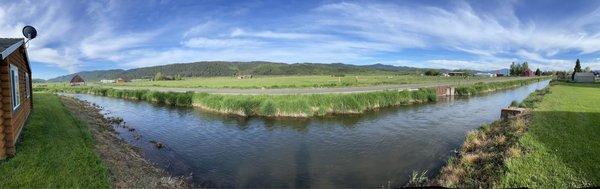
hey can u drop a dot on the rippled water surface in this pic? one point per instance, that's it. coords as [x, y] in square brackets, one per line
[344, 151]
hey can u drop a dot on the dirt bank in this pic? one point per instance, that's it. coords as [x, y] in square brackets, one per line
[480, 162]
[128, 169]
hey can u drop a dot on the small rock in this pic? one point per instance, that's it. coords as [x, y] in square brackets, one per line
[456, 152]
[157, 144]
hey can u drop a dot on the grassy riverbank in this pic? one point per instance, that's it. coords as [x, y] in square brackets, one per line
[552, 147]
[288, 105]
[266, 105]
[562, 142]
[480, 161]
[479, 88]
[310, 105]
[56, 152]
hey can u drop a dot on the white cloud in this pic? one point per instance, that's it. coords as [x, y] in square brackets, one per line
[204, 29]
[52, 24]
[106, 43]
[238, 32]
[349, 32]
[206, 43]
[462, 64]
[63, 59]
[461, 28]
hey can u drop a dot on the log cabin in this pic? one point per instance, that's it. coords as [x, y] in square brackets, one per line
[15, 92]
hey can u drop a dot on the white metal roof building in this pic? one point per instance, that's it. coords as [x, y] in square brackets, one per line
[584, 77]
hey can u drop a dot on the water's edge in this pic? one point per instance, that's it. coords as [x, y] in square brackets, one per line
[366, 150]
[297, 106]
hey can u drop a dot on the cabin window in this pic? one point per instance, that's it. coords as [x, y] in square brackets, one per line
[27, 89]
[14, 81]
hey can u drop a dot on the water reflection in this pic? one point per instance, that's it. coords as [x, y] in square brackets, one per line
[342, 151]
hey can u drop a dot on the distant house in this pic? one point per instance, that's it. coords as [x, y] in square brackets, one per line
[528, 73]
[584, 77]
[244, 76]
[107, 81]
[485, 74]
[122, 79]
[457, 73]
[77, 81]
[15, 84]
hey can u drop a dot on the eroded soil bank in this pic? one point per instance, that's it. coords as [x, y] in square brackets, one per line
[128, 169]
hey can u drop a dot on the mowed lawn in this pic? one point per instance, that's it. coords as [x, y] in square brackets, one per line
[563, 142]
[56, 151]
[307, 81]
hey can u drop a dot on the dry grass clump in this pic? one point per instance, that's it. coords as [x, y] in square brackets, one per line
[481, 158]
[514, 152]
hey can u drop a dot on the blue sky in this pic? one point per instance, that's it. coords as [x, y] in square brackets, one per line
[485, 35]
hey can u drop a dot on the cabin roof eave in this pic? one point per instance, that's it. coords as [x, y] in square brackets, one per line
[6, 52]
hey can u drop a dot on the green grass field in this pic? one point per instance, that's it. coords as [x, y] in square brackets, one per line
[57, 152]
[306, 81]
[562, 146]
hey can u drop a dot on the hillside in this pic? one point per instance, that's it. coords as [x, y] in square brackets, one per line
[220, 68]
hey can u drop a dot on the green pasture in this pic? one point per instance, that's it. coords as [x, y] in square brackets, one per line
[305, 81]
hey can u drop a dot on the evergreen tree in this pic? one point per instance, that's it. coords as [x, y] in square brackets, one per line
[576, 69]
[538, 72]
[432, 73]
[512, 69]
[524, 67]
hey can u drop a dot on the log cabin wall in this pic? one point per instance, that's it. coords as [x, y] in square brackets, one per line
[13, 121]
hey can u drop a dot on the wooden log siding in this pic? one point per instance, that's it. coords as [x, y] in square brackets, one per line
[13, 121]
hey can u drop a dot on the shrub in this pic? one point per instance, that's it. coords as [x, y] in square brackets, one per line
[184, 99]
[267, 108]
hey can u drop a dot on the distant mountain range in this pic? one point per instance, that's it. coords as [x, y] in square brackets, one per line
[222, 68]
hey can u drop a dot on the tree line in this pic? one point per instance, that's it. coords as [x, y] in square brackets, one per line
[517, 69]
[221, 68]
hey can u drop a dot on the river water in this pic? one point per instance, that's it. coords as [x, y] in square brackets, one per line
[370, 150]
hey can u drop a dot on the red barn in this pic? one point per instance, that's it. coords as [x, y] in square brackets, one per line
[528, 73]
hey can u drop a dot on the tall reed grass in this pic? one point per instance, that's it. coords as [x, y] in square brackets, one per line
[309, 105]
[285, 105]
[481, 87]
[267, 105]
[171, 98]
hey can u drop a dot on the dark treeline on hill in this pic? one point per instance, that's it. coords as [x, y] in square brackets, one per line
[220, 68]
